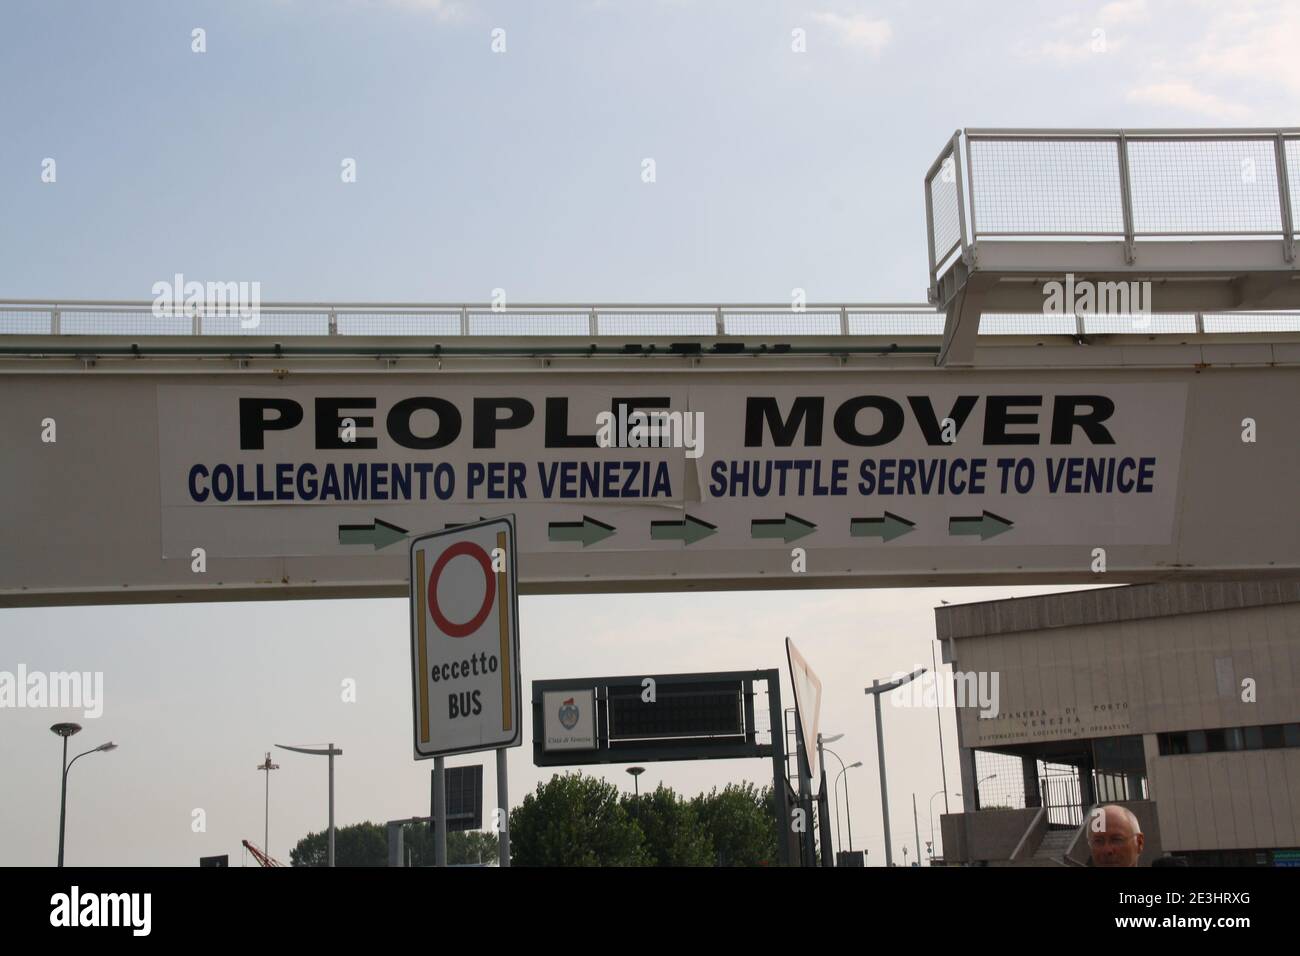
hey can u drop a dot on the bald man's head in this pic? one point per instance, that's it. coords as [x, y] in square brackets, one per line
[1114, 836]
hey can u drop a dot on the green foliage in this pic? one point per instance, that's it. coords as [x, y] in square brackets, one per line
[575, 820]
[366, 844]
[572, 820]
[673, 835]
[740, 821]
[360, 844]
[463, 846]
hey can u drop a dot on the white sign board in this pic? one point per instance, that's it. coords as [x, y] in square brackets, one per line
[465, 639]
[214, 486]
[807, 701]
[569, 720]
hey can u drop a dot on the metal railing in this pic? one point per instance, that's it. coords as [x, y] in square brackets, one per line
[119, 318]
[1111, 184]
[44, 317]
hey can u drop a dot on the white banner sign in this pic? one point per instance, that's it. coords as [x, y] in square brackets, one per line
[302, 470]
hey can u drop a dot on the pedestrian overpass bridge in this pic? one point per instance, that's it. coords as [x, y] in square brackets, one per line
[1192, 383]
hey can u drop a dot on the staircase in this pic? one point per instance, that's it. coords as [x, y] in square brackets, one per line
[1051, 852]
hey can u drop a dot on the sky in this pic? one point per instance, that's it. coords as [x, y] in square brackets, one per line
[776, 168]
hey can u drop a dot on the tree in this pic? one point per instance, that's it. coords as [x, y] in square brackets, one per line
[741, 824]
[673, 835]
[463, 846]
[573, 820]
[366, 844]
[360, 844]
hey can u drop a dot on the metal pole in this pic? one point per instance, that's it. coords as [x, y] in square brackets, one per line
[1126, 200]
[839, 838]
[805, 793]
[932, 826]
[266, 817]
[848, 812]
[884, 787]
[331, 756]
[503, 803]
[823, 818]
[938, 713]
[439, 812]
[63, 799]
[779, 802]
[916, 829]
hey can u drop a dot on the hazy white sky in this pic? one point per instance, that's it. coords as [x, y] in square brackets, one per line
[521, 171]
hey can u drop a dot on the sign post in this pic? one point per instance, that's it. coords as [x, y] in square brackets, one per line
[465, 654]
[807, 715]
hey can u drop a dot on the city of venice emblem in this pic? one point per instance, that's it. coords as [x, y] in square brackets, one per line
[569, 714]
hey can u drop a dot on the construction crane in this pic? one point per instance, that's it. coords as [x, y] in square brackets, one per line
[261, 858]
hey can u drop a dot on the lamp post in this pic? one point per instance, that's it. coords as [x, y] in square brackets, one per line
[938, 713]
[821, 772]
[848, 810]
[932, 796]
[977, 785]
[330, 751]
[636, 773]
[835, 790]
[266, 820]
[66, 730]
[876, 689]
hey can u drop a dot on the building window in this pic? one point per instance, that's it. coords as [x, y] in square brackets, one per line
[1228, 739]
[1172, 744]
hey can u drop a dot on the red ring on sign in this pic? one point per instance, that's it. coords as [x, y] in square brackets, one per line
[489, 596]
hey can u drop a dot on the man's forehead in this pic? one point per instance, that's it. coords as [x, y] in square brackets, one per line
[1116, 818]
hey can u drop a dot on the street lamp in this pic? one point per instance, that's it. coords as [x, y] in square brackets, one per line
[821, 772]
[266, 820]
[66, 730]
[848, 809]
[977, 785]
[330, 751]
[636, 773]
[932, 796]
[876, 689]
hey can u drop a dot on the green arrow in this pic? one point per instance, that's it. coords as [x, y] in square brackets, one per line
[588, 531]
[787, 529]
[889, 527]
[690, 530]
[381, 534]
[986, 525]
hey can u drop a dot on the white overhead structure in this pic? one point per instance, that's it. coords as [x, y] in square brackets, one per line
[1208, 217]
[188, 453]
[227, 476]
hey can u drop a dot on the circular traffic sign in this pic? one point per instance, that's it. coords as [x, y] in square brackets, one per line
[470, 549]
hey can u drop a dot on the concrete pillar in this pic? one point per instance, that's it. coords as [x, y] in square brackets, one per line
[1087, 794]
[969, 793]
[1029, 772]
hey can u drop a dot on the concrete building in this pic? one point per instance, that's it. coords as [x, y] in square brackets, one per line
[1180, 701]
